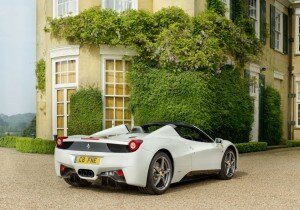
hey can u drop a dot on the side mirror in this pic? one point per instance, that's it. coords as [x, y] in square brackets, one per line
[219, 140]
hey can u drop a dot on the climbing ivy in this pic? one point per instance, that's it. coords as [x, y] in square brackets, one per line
[169, 37]
[40, 72]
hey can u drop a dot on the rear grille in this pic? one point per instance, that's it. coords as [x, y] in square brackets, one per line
[86, 173]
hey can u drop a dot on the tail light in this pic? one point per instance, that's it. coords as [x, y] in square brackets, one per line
[62, 168]
[60, 141]
[119, 173]
[134, 145]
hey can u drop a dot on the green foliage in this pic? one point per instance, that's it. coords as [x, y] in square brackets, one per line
[252, 147]
[86, 112]
[232, 107]
[8, 141]
[30, 130]
[29, 145]
[40, 72]
[220, 105]
[216, 6]
[207, 40]
[159, 95]
[272, 117]
[293, 143]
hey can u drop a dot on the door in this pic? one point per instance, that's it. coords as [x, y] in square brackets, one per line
[206, 154]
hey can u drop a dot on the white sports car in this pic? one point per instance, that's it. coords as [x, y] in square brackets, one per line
[151, 156]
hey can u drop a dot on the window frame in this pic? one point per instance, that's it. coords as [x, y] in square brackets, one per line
[75, 12]
[104, 95]
[278, 31]
[64, 87]
[133, 2]
[256, 20]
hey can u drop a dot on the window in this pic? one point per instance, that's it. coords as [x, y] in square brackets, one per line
[120, 5]
[63, 110]
[116, 93]
[65, 84]
[193, 134]
[63, 8]
[254, 14]
[278, 30]
[65, 72]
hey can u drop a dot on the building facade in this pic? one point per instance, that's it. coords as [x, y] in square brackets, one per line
[69, 67]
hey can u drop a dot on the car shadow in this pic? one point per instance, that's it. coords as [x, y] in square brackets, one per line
[176, 187]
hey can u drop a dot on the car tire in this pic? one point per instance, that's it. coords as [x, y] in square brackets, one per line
[228, 165]
[75, 181]
[160, 175]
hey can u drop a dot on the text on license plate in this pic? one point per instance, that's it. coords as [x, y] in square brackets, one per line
[87, 160]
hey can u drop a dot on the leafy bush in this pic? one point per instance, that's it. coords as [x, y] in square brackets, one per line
[232, 107]
[158, 95]
[252, 147]
[293, 143]
[220, 105]
[8, 141]
[29, 145]
[272, 117]
[86, 112]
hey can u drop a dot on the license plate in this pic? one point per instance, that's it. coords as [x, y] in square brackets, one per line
[87, 160]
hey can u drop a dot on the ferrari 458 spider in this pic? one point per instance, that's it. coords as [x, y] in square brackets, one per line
[150, 157]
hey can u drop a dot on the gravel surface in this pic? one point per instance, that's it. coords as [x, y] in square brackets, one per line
[265, 180]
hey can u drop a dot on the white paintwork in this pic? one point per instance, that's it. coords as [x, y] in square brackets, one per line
[70, 50]
[187, 155]
[62, 56]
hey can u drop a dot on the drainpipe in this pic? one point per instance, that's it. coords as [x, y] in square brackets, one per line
[291, 94]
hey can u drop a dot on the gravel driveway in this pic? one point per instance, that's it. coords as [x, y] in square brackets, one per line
[265, 180]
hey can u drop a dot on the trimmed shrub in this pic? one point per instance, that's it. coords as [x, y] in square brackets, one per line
[252, 147]
[272, 117]
[29, 145]
[232, 106]
[293, 143]
[86, 112]
[219, 105]
[158, 95]
[8, 141]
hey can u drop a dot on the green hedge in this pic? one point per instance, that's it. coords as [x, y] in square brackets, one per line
[29, 145]
[8, 141]
[293, 143]
[86, 112]
[252, 147]
[220, 104]
[272, 117]
[231, 106]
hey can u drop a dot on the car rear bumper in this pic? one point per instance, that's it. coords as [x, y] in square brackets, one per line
[134, 165]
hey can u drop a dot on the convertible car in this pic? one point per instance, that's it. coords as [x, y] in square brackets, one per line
[150, 157]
